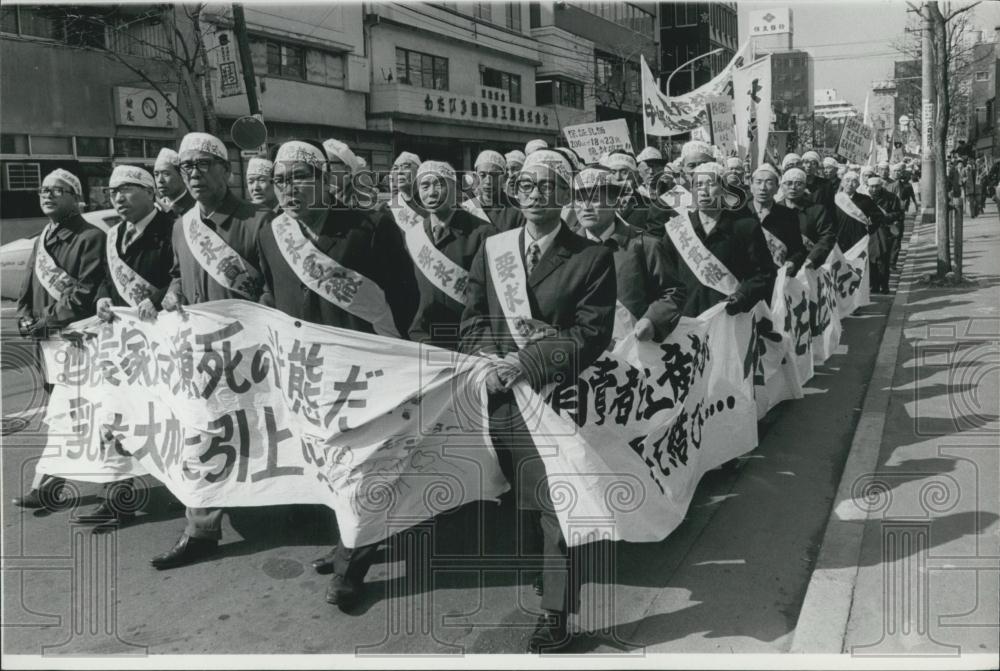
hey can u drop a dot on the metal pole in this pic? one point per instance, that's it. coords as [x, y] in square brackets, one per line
[680, 67]
[246, 59]
[928, 115]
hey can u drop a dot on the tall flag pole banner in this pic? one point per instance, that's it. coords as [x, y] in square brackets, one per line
[233, 404]
[664, 115]
[752, 106]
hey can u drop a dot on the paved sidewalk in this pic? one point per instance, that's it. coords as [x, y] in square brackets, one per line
[910, 564]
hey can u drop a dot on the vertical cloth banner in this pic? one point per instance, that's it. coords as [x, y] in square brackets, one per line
[234, 404]
[221, 48]
[664, 115]
[752, 106]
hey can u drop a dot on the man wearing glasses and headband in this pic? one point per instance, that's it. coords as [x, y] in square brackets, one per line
[816, 223]
[67, 265]
[228, 226]
[541, 305]
[649, 298]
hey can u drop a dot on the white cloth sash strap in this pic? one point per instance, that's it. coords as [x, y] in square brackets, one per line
[53, 279]
[779, 251]
[223, 263]
[405, 216]
[510, 281]
[472, 206]
[347, 289]
[847, 205]
[131, 286]
[441, 271]
[709, 270]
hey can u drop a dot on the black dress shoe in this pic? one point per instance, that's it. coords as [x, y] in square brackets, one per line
[324, 565]
[106, 513]
[344, 593]
[186, 550]
[48, 495]
[550, 633]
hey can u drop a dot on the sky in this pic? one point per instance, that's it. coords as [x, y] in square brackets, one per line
[852, 41]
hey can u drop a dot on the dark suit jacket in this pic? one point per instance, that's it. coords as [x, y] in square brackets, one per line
[572, 289]
[817, 223]
[880, 244]
[151, 255]
[783, 223]
[645, 287]
[505, 215]
[739, 244]
[849, 229]
[78, 248]
[179, 208]
[821, 190]
[439, 316]
[239, 229]
[367, 242]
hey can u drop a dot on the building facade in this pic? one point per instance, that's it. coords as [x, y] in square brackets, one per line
[983, 86]
[689, 29]
[792, 82]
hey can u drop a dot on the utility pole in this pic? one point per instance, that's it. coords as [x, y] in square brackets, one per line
[246, 59]
[929, 96]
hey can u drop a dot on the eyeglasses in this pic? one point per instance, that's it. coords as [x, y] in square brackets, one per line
[281, 183]
[259, 181]
[796, 183]
[55, 191]
[123, 189]
[201, 164]
[526, 186]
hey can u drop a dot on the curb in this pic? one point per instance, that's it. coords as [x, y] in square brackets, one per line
[821, 627]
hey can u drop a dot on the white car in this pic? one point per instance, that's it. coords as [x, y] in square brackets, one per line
[14, 255]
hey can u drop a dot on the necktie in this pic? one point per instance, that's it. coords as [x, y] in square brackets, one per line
[438, 230]
[532, 257]
[129, 235]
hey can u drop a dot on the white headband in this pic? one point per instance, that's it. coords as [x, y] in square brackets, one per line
[339, 150]
[619, 161]
[297, 151]
[490, 158]
[67, 178]
[438, 169]
[259, 167]
[130, 174]
[407, 158]
[204, 142]
[553, 160]
[167, 157]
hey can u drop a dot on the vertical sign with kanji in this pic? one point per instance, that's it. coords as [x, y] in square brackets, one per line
[226, 58]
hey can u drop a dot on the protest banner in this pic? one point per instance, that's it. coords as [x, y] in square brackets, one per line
[592, 140]
[855, 141]
[665, 115]
[234, 404]
[722, 121]
[752, 107]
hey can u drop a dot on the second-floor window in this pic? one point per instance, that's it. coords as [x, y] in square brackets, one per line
[423, 70]
[502, 80]
[514, 16]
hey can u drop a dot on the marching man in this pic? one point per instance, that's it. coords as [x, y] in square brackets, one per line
[174, 198]
[260, 188]
[515, 160]
[856, 214]
[489, 202]
[137, 273]
[340, 240]
[227, 227]
[779, 223]
[67, 265]
[648, 297]
[816, 223]
[541, 302]
[716, 253]
[881, 244]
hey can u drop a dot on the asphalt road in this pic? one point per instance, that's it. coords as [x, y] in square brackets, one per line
[731, 579]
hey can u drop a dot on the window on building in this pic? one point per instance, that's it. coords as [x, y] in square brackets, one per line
[92, 146]
[983, 76]
[483, 11]
[497, 79]
[681, 15]
[13, 144]
[8, 19]
[535, 14]
[51, 145]
[514, 16]
[129, 147]
[423, 70]
[23, 176]
[570, 94]
[78, 26]
[284, 60]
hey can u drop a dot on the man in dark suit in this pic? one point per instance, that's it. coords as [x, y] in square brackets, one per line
[198, 278]
[541, 300]
[779, 224]
[733, 237]
[816, 223]
[65, 268]
[174, 198]
[136, 274]
[314, 188]
[489, 192]
[260, 188]
[455, 236]
[645, 289]
[881, 244]
[855, 213]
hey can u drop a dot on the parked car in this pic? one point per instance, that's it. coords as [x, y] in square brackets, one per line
[14, 255]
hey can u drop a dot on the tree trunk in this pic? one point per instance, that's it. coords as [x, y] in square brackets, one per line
[942, 201]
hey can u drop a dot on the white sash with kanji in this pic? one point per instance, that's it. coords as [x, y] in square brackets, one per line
[472, 206]
[442, 272]
[131, 286]
[510, 281]
[405, 216]
[779, 251]
[53, 279]
[709, 270]
[848, 207]
[223, 263]
[347, 289]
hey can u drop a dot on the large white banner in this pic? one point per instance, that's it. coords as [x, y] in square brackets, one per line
[233, 404]
[664, 115]
[752, 106]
